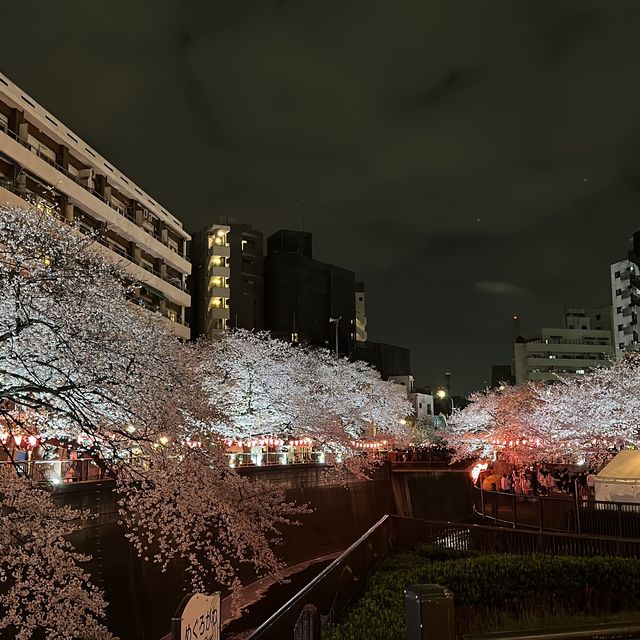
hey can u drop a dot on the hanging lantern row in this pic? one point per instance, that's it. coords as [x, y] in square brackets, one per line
[257, 442]
[520, 441]
[301, 442]
[369, 445]
[20, 441]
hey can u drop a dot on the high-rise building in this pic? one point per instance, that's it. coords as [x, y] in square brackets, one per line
[228, 279]
[389, 359]
[625, 299]
[569, 351]
[46, 165]
[361, 313]
[306, 300]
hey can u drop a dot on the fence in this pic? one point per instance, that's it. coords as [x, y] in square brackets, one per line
[559, 513]
[60, 471]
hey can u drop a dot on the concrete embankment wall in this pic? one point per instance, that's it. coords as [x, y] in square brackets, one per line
[143, 599]
[434, 494]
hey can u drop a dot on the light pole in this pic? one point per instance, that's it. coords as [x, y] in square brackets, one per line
[441, 394]
[337, 323]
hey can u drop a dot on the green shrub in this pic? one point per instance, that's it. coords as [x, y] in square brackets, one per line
[488, 588]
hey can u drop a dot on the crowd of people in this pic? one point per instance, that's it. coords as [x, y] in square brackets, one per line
[541, 481]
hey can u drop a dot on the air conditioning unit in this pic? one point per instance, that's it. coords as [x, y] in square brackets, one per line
[86, 177]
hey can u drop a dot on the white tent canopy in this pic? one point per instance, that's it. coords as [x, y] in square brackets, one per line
[619, 481]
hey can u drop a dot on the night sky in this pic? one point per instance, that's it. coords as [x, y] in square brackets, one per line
[468, 160]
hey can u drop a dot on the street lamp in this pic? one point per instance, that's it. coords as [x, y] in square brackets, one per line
[337, 323]
[441, 394]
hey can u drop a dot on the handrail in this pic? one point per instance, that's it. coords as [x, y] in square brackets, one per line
[326, 571]
[343, 556]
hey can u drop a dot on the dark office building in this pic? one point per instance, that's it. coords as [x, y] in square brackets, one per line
[227, 284]
[302, 295]
[388, 359]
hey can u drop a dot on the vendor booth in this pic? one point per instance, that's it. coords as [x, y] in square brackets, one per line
[619, 481]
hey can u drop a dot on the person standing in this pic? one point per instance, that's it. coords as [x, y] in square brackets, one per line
[591, 483]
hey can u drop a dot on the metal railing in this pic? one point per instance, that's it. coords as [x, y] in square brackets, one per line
[274, 458]
[60, 471]
[323, 601]
[559, 513]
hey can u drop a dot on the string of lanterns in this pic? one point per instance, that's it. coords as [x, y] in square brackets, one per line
[20, 441]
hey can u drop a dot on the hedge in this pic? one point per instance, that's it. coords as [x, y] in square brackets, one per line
[487, 586]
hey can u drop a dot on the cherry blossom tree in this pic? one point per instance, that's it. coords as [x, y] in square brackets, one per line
[576, 419]
[501, 422]
[44, 588]
[264, 386]
[80, 360]
[76, 356]
[592, 414]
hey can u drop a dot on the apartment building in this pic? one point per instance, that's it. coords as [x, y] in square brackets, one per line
[568, 351]
[625, 299]
[48, 166]
[228, 279]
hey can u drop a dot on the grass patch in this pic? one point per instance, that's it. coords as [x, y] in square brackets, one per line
[496, 592]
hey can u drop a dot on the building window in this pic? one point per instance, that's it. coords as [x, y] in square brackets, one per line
[598, 317]
[420, 405]
[616, 274]
[618, 309]
[619, 327]
[618, 292]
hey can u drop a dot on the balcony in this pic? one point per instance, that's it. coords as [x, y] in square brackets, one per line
[219, 312]
[124, 213]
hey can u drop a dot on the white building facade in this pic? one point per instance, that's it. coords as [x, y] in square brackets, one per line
[625, 300]
[564, 352]
[45, 165]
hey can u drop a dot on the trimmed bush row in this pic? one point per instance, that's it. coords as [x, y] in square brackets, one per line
[486, 585]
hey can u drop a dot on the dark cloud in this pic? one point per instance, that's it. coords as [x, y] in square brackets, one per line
[387, 129]
[498, 288]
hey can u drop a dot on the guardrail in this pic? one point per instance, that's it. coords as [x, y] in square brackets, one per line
[559, 513]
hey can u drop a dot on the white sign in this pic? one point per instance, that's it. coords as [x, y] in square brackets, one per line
[199, 619]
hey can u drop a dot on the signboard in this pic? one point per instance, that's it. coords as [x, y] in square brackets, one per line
[197, 618]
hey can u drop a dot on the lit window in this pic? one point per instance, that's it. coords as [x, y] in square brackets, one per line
[580, 371]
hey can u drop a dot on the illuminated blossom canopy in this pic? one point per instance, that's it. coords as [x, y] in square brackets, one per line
[79, 360]
[263, 386]
[579, 419]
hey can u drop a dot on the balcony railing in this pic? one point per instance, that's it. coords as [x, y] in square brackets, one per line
[124, 213]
